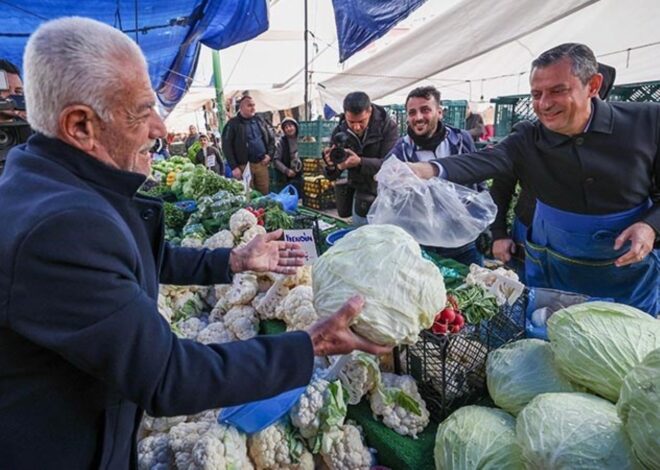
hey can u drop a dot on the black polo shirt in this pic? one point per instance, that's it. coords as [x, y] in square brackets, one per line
[612, 167]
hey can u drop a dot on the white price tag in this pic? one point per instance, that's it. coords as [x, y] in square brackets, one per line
[306, 240]
[247, 178]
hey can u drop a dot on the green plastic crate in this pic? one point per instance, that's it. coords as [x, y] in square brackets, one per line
[313, 136]
[636, 92]
[454, 112]
[398, 113]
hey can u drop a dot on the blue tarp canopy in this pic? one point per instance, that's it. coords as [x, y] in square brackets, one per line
[168, 32]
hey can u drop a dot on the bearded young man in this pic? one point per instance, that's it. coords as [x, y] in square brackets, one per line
[429, 138]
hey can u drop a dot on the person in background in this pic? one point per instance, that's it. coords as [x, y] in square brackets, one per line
[247, 139]
[428, 138]
[193, 136]
[286, 155]
[13, 86]
[84, 348]
[209, 156]
[474, 123]
[371, 134]
[509, 243]
[594, 168]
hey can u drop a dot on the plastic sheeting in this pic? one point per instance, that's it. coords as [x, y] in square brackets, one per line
[169, 33]
[361, 21]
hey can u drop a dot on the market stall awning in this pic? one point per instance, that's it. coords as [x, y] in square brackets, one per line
[169, 33]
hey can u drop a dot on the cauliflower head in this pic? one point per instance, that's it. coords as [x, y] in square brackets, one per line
[240, 221]
[399, 403]
[243, 289]
[297, 309]
[278, 447]
[360, 376]
[344, 449]
[242, 321]
[154, 453]
[222, 239]
[189, 328]
[216, 332]
[250, 233]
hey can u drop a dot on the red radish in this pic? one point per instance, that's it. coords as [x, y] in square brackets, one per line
[455, 328]
[459, 320]
[439, 328]
[448, 315]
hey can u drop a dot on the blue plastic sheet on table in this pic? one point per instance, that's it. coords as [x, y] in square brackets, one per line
[255, 416]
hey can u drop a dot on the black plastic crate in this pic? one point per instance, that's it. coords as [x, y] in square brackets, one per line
[323, 201]
[450, 370]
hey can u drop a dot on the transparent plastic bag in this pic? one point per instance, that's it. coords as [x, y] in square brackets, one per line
[434, 212]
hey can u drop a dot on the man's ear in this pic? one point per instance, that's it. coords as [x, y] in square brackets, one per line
[594, 84]
[76, 129]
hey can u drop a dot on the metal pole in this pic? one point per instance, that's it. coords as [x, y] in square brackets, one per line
[306, 68]
[219, 93]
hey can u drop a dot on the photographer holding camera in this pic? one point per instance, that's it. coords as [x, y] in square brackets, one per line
[360, 142]
[14, 129]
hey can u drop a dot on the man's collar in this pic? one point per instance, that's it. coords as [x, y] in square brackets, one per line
[85, 166]
[601, 120]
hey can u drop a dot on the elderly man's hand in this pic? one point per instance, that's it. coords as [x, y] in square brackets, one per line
[237, 173]
[642, 237]
[424, 170]
[333, 335]
[266, 253]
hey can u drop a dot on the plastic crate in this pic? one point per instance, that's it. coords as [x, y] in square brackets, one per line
[450, 370]
[321, 202]
[317, 187]
[312, 166]
[637, 92]
[454, 112]
[398, 113]
[313, 136]
[509, 110]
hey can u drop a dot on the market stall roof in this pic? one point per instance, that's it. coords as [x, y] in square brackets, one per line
[169, 33]
[470, 52]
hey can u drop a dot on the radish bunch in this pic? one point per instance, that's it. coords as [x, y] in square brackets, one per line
[449, 320]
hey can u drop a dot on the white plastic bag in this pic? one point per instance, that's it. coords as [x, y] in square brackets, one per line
[435, 212]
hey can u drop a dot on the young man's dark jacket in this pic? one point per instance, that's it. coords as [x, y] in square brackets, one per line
[83, 349]
[380, 136]
[235, 143]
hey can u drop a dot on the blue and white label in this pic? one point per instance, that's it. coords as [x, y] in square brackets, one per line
[306, 240]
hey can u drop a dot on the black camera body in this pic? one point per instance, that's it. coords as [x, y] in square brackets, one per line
[342, 141]
[13, 131]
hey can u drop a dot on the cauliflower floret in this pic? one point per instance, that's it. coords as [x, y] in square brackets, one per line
[243, 289]
[190, 327]
[222, 239]
[221, 447]
[182, 441]
[297, 308]
[163, 308]
[210, 416]
[319, 409]
[242, 321]
[192, 242]
[344, 449]
[267, 305]
[359, 376]
[154, 453]
[303, 277]
[276, 448]
[387, 400]
[159, 425]
[215, 333]
[250, 233]
[240, 221]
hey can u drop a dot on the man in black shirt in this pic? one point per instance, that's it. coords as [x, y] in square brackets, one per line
[595, 168]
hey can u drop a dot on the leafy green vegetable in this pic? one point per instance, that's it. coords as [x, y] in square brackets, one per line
[597, 343]
[396, 396]
[519, 371]
[175, 218]
[639, 409]
[276, 218]
[477, 437]
[332, 415]
[572, 431]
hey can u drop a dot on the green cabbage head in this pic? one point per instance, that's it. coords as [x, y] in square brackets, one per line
[402, 291]
[567, 431]
[597, 343]
[639, 409]
[477, 438]
[519, 371]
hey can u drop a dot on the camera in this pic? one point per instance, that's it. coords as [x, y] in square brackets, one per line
[13, 130]
[342, 141]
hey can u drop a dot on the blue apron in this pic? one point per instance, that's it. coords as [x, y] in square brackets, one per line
[575, 252]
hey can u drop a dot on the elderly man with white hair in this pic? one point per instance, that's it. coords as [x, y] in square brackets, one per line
[83, 349]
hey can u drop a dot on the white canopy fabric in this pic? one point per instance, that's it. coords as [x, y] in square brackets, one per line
[477, 52]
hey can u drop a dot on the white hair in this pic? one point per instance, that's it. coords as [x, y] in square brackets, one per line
[74, 61]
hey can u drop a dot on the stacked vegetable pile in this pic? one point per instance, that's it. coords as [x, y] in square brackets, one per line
[589, 399]
[200, 203]
[316, 429]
